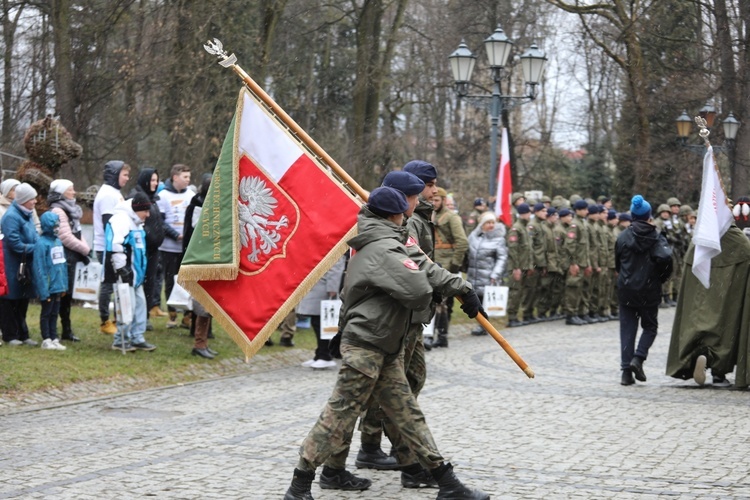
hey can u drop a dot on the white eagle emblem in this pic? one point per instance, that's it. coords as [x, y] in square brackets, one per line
[255, 208]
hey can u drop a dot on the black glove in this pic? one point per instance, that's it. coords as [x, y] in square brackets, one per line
[334, 346]
[126, 274]
[454, 268]
[85, 259]
[437, 297]
[472, 305]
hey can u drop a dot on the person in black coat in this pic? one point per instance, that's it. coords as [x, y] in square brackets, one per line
[643, 261]
[148, 181]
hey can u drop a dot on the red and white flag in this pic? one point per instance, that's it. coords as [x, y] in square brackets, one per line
[504, 188]
[273, 222]
[714, 218]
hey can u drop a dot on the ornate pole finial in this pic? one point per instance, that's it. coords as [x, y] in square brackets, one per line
[216, 48]
[703, 126]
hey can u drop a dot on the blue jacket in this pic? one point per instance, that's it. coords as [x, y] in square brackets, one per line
[50, 266]
[20, 237]
[125, 242]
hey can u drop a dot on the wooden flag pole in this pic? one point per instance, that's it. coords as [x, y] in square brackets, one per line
[215, 47]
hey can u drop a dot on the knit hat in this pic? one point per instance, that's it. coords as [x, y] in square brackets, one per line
[387, 201]
[421, 169]
[580, 205]
[486, 217]
[539, 206]
[479, 201]
[7, 186]
[442, 193]
[624, 216]
[140, 202]
[24, 193]
[60, 185]
[640, 208]
[565, 212]
[523, 208]
[407, 183]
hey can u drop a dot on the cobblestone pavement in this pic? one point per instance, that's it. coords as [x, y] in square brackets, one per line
[572, 432]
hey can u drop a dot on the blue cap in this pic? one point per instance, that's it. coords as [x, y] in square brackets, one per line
[565, 212]
[539, 206]
[593, 209]
[624, 216]
[580, 205]
[523, 208]
[479, 201]
[407, 183]
[640, 208]
[551, 211]
[421, 169]
[388, 201]
[612, 214]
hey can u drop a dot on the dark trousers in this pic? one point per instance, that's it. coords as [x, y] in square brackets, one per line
[66, 301]
[13, 319]
[629, 317]
[321, 351]
[170, 262]
[105, 292]
[48, 317]
[151, 282]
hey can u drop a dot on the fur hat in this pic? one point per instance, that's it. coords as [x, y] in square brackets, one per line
[486, 217]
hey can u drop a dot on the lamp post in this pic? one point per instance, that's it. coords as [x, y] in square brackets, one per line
[685, 125]
[498, 47]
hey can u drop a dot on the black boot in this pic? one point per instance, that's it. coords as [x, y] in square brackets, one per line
[342, 479]
[636, 364]
[416, 476]
[627, 378]
[442, 340]
[427, 341]
[301, 485]
[664, 301]
[451, 488]
[372, 457]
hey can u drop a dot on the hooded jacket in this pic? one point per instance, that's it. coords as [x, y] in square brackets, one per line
[382, 286]
[154, 225]
[125, 245]
[487, 257]
[107, 198]
[49, 271]
[19, 237]
[643, 260]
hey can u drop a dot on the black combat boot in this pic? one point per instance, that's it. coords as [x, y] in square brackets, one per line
[372, 457]
[442, 340]
[416, 476]
[342, 479]
[451, 488]
[301, 485]
[636, 364]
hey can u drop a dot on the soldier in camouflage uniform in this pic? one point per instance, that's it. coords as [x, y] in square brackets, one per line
[665, 226]
[590, 282]
[532, 291]
[576, 259]
[557, 289]
[679, 249]
[608, 220]
[382, 287]
[614, 228]
[451, 245]
[520, 263]
[551, 282]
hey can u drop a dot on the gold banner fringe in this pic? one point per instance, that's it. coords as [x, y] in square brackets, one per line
[251, 347]
[196, 272]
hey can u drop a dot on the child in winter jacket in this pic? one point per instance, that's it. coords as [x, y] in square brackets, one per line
[50, 278]
[125, 262]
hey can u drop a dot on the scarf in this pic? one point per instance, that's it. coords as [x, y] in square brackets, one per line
[73, 211]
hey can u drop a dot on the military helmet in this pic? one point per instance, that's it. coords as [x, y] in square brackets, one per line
[663, 208]
[673, 201]
[686, 210]
[515, 197]
[546, 199]
[574, 198]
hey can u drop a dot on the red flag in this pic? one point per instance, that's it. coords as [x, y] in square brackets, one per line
[273, 222]
[504, 188]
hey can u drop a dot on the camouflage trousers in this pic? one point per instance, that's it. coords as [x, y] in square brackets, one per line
[573, 294]
[551, 292]
[364, 376]
[375, 420]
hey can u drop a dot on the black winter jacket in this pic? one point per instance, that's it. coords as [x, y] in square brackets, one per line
[154, 225]
[643, 260]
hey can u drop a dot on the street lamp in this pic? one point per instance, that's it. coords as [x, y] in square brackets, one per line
[498, 48]
[685, 125]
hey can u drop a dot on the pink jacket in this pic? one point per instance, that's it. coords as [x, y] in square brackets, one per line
[67, 237]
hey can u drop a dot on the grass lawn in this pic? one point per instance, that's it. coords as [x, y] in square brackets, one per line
[26, 369]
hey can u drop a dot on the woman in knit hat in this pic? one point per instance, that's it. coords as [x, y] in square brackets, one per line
[62, 201]
[20, 235]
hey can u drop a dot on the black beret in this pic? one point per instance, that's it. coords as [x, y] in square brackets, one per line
[523, 208]
[539, 206]
[564, 212]
[407, 183]
[593, 209]
[625, 216]
[551, 211]
[580, 205]
[612, 214]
